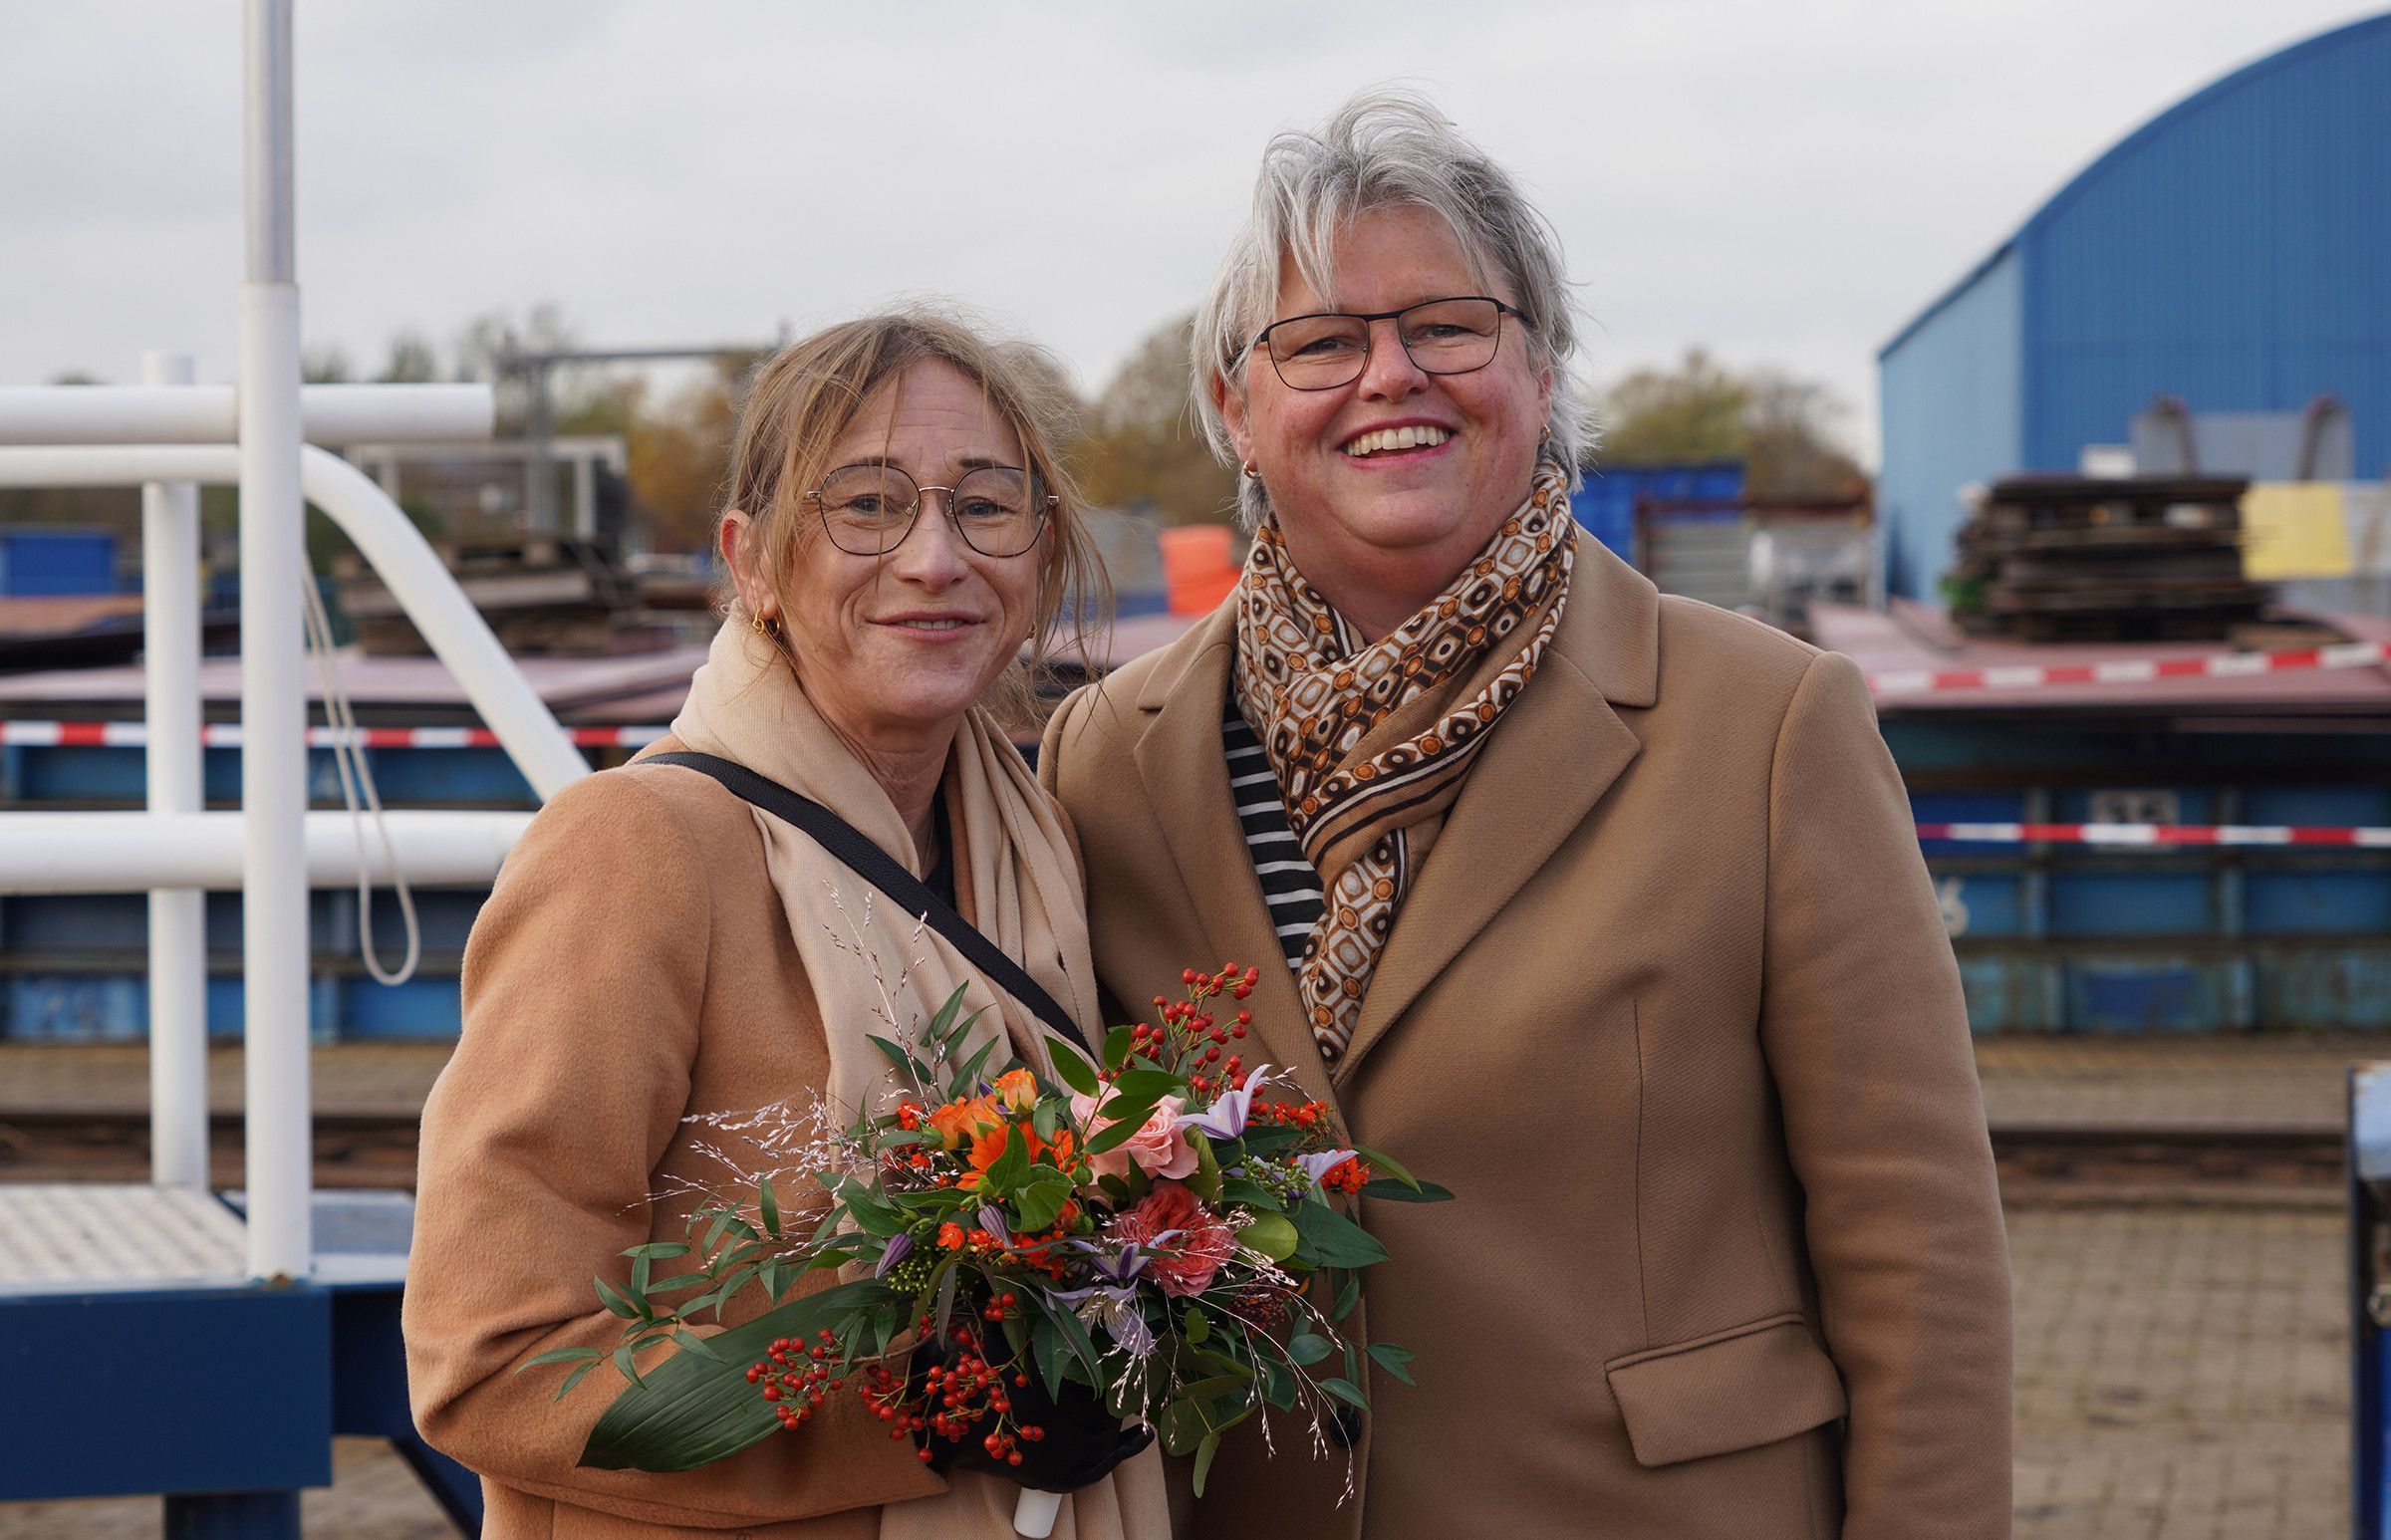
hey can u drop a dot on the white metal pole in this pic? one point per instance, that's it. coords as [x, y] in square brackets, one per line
[274, 902]
[177, 917]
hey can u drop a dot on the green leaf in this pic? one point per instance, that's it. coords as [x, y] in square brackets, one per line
[770, 1206]
[627, 1365]
[1274, 1235]
[1262, 1139]
[1117, 1044]
[1396, 1192]
[1040, 1200]
[1348, 1296]
[1389, 1164]
[1046, 1120]
[612, 1298]
[1050, 1351]
[945, 1020]
[576, 1377]
[1278, 1383]
[1194, 1326]
[1391, 1359]
[692, 1411]
[898, 1057]
[1204, 1181]
[1347, 1391]
[1332, 1240]
[1071, 1066]
[660, 1249]
[562, 1356]
[1204, 1460]
[1307, 1347]
[1147, 1086]
[1130, 1115]
[968, 1074]
[1075, 1332]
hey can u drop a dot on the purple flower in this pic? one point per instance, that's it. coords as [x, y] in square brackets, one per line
[1225, 1118]
[1319, 1166]
[892, 1254]
[991, 1219]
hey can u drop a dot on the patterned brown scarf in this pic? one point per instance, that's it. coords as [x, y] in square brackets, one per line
[1370, 742]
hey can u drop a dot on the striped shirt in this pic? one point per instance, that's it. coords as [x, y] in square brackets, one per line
[1291, 885]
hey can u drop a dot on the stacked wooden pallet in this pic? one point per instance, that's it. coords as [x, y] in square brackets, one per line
[2085, 559]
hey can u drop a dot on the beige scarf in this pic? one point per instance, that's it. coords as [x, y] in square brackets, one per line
[1370, 741]
[1019, 883]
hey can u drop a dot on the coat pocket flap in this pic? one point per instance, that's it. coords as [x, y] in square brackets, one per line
[1732, 1390]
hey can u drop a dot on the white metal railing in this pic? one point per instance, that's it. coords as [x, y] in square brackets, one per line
[182, 854]
[184, 413]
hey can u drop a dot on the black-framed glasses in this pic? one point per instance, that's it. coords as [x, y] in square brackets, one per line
[868, 510]
[1444, 337]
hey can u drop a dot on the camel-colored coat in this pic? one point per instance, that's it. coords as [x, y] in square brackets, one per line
[632, 967]
[1672, 1011]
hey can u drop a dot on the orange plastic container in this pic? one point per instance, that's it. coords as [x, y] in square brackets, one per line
[1197, 567]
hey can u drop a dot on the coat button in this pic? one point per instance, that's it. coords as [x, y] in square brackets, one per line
[1345, 1426]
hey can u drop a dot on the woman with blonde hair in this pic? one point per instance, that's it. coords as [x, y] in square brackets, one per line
[658, 949]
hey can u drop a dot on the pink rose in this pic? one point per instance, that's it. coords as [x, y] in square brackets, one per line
[1159, 1148]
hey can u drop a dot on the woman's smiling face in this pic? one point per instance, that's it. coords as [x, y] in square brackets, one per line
[1366, 506]
[894, 649]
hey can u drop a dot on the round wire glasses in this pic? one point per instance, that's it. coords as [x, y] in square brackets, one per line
[1443, 337]
[869, 510]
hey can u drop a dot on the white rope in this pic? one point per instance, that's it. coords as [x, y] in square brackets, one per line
[349, 758]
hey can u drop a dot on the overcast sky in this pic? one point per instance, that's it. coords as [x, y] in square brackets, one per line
[1783, 182]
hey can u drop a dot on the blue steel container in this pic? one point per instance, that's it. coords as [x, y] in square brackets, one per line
[42, 563]
[1605, 507]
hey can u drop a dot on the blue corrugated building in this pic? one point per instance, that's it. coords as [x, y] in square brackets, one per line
[2235, 252]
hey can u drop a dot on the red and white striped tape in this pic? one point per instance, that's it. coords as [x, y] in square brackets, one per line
[2132, 670]
[2154, 833]
[228, 735]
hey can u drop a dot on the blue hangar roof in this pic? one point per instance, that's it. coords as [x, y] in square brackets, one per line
[2234, 251]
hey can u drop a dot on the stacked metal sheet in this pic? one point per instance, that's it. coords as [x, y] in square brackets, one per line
[2089, 559]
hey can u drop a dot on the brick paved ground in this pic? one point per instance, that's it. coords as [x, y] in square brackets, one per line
[2182, 1374]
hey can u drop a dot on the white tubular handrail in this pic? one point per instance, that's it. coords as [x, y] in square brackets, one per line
[173, 775]
[391, 544]
[209, 413]
[90, 853]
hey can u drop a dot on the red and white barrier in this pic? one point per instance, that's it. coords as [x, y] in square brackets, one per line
[2146, 835]
[49, 735]
[2132, 670]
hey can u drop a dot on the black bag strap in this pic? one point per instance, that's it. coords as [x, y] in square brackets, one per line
[884, 872]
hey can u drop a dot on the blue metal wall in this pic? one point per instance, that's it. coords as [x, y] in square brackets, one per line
[1951, 416]
[1605, 507]
[2232, 251]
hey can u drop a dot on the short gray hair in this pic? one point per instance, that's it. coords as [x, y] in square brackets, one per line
[1384, 148]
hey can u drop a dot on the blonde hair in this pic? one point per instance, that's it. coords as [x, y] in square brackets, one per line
[803, 399]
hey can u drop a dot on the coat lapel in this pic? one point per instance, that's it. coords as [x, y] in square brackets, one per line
[1185, 774]
[1557, 751]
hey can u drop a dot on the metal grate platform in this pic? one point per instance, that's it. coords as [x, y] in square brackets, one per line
[85, 1236]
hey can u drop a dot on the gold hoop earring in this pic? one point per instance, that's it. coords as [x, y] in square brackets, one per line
[1252, 472]
[763, 628]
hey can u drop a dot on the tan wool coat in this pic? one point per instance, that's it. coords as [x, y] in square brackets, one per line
[632, 967]
[1672, 1012]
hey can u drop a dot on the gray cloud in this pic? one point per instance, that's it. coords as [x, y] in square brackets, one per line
[1782, 182]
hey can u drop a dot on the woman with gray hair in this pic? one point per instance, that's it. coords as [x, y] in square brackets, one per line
[1602, 908]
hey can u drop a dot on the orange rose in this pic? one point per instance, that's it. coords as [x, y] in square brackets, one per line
[1017, 1091]
[957, 1122]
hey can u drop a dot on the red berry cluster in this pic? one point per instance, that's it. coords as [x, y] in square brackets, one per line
[956, 1397]
[1192, 1037]
[796, 1377]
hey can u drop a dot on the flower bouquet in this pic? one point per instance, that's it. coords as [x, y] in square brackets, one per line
[1158, 1232]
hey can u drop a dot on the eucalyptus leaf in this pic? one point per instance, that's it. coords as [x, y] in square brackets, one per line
[1274, 1235]
[1307, 1347]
